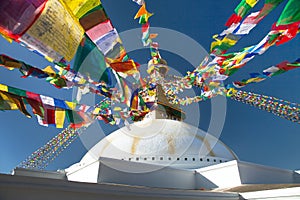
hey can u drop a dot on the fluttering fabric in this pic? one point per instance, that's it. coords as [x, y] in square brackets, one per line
[276, 70]
[17, 16]
[85, 33]
[238, 29]
[50, 111]
[279, 107]
[63, 79]
[56, 33]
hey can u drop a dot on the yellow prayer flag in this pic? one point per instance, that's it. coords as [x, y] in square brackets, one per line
[49, 59]
[239, 57]
[60, 36]
[6, 38]
[231, 92]
[96, 111]
[10, 104]
[60, 115]
[255, 80]
[12, 65]
[81, 7]
[3, 88]
[215, 43]
[150, 69]
[81, 81]
[147, 15]
[151, 92]
[214, 84]
[49, 70]
[71, 105]
[251, 2]
[117, 109]
[229, 41]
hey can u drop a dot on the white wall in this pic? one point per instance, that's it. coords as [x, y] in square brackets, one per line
[108, 170]
[87, 173]
[222, 175]
[259, 174]
[235, 173]
[151, 176]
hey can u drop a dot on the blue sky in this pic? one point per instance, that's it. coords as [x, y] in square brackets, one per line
[254, 135]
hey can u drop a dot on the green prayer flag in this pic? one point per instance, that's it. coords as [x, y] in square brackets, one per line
[268, 7]
[274, 2]
[90, 61]
[290, 14]
[143, 19]
[17, 91]
[73, 117]
[242, 9]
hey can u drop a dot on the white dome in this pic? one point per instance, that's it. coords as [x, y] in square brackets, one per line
[162, 142]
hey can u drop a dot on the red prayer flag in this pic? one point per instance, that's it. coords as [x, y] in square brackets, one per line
[233, 19]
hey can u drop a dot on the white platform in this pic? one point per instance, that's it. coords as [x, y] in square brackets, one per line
[223, 175]
[34, 188]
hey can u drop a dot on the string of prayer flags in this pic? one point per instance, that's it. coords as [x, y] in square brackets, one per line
[231, 62]
[48, 110]
[143, 14]
[209, 77]
[100, 30]
[146, 34]
[240, 11]
[205, 95]
[285, 33]
[52, 111]
[50, 41]
[254, 78]
[10, 101]
[279, 107]
[40, 158]
[102, 55]
[236, 31]
[268, 73]
[281, 68]
[64, 79]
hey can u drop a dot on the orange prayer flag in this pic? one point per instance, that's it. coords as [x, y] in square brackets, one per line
[153, 35]
[125, 67]
[141, 11]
